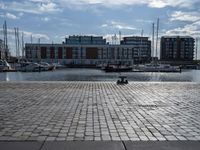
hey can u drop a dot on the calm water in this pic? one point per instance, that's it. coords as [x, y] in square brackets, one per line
[98, 75]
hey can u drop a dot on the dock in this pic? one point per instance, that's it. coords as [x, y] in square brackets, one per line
[124, 116]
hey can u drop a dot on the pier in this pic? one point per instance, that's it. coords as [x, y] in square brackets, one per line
[100, 112]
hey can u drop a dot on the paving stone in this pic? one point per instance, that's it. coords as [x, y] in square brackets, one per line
[83, 146]
[20, 145]
[175, 145]
[50, 111]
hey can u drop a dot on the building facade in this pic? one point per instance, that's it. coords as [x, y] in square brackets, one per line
[90, 50]
[177, 48]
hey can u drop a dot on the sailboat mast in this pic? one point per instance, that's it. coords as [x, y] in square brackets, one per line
[153, 27]
[23, 44]
[157, 37]
[196, 48]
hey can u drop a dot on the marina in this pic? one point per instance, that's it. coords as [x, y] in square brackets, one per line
[99, 75]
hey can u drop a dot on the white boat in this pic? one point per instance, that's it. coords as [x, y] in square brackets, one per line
[47, 66]
[31, 67]
[58, 65]
[156, 67]
[4, 66]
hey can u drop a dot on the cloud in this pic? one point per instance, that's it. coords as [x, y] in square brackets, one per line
[9, 16]
[52, 6]
[27, 34]
[184, 16]
[35, 7]
[117, 25]
[46, 19]
[48, 7]
[144, 21]
[192, 29]
[150, 3]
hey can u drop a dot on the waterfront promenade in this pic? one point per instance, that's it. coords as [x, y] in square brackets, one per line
[103, 113]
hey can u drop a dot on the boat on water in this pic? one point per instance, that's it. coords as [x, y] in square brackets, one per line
[58, 66]
[117, 68]
[48, 66]
[156, 67]
[26, 66]
[31, 67]
[5, 66]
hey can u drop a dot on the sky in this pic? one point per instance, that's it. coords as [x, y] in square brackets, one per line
[53, 20]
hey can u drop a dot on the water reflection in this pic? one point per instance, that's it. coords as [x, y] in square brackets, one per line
[98, 75]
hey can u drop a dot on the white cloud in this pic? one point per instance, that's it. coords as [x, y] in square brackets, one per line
[150, 3]
[46, 19]
[192, 29]
[48, 7]
[35, 35]
[185, 16]
[27, 34]
[9, 16]
[117, 25]
[41, 1]
[21, 14]
[35, 7]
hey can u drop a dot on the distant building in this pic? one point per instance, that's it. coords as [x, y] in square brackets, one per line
[177, 48]
[141, 46]
[91, 50]
[85, 40]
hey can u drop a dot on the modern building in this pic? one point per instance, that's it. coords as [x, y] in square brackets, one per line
[91, 50]
[85, 40]
[177, 48]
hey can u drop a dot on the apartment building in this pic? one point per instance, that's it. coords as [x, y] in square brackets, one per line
[91, 50]
[177, 48]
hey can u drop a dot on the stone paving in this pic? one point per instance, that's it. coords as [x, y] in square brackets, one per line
[99, 111]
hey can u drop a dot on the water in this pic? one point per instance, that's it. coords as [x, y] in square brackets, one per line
[98, 75]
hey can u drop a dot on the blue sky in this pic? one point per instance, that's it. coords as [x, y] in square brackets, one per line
[52, 20]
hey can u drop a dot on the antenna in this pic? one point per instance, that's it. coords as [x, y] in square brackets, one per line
[157, 37]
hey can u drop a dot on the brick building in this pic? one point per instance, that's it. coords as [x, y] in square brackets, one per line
[90, 50]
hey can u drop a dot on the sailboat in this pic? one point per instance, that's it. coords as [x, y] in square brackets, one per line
[4, 66]
[155, 66]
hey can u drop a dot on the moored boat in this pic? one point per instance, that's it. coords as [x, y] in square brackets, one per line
[31, 67]
[157, 68]
[117, 68]
[5, 66]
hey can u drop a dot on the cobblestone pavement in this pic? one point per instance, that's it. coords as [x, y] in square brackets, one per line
[96, 111]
